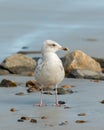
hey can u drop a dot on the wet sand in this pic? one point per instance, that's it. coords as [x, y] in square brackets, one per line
[85, 99]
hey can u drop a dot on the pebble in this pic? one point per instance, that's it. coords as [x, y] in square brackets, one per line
[20, 120]
[82, 114]
[7, 83]
[102, 102]
[66, 86]
[80, 121]
[20, 93]
[63, 123]
[25, 118]
[33, 121]
[43, 117]
[13, 110]
[66, 107]
[61, 102]
[49, 93]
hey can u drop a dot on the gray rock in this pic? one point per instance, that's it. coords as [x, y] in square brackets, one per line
[19, 64]
[87, 74]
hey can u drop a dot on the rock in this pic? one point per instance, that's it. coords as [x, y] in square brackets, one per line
[33, 121]
[63, 91]
[100, 60]
[82, 114]
[78, 60]
[63, 123]
[102, 102]
[87, 74]
[25, 118]
[19, 64]
[61, 102]
[80, 121]
[7, 83]
[20, 120]
[20, 94]
[13, 110]
[33, 86]
[43, 117]
[66, 86]
[4, 72]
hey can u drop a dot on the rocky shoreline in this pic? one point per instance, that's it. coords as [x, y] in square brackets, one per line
[77, 64]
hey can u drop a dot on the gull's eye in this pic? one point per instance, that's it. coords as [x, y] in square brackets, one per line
[53, 45]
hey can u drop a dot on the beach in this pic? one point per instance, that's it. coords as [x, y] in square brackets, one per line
[78, 25]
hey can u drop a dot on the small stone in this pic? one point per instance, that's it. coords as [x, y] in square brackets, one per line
[66, 86]
[33, 121]
[102, 102]
[7, 83]
[43, 117]
[20, 93]
[25, 118]
[80, 121]
[33, 86]
[49, 93]
[82, 114]
[63, 123]
[13, 110]
[20, 120]
[61, 102]
[61, 91]
[66, 107]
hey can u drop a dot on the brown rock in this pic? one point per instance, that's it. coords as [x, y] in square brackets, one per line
[25, 118]
[33, 86]
[4, 72]
[33, 121]
[79, 60]
[43, 117]
[80, 121]
[7, 83]
[19, 64]
[66, 86]
[13, 110]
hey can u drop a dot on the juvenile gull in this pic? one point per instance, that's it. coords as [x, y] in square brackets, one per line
[49, 70]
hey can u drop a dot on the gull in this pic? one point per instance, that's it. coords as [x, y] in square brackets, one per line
[49, 70]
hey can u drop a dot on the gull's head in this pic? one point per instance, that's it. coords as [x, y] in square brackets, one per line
[52, 46]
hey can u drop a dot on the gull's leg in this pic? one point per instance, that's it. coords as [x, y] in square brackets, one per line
[56, 97]
[41, 98]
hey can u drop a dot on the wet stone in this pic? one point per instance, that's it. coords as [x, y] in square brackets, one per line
[13, 110]
[82, 114]
[63, 123]
[20, 94]
[43, 117]
[102, 102]
[80, 121]
[33, 121]
[20, 120]
[61, 102]
[25, 118]
[7, 83]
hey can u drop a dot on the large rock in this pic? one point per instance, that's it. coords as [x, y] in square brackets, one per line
[19, 64]
[86, 74]
[78, 60]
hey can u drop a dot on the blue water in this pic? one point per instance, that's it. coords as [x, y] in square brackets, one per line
[77, 24]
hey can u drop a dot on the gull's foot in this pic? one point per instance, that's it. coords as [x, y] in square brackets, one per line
[40, 105]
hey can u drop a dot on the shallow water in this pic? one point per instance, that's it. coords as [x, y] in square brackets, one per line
[78, 24]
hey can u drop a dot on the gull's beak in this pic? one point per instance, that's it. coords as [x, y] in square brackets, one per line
[65, 49]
